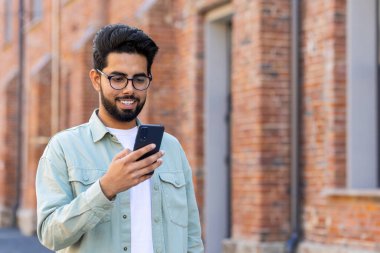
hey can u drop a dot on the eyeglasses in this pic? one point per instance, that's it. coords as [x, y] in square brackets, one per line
[120, 81]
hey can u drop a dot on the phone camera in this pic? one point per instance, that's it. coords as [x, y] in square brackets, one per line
[144, 133]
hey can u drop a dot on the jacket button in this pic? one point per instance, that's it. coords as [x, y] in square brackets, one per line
[157, 219]
[124, 216]
[125, 248]
[156, 187]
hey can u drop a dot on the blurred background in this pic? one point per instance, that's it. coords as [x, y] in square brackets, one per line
[276, 103]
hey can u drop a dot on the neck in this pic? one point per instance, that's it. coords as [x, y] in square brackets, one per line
[111, 122]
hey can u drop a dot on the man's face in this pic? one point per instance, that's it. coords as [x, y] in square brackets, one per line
[122, 105]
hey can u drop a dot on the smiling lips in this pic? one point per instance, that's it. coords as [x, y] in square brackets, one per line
[127, 103]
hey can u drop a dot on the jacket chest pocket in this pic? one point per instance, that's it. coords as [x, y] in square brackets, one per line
[175, 197]
[80, 179]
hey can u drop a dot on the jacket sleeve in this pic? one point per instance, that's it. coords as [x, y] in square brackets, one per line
[194, 240]
[62, 218]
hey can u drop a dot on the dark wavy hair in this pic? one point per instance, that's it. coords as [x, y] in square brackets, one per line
[121, 38]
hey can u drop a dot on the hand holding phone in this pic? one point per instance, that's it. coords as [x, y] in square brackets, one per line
[148, 134]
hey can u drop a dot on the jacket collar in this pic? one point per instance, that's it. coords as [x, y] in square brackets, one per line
[98, 129]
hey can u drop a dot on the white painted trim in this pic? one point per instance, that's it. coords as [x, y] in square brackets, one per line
[86, 37]
[222, 12]
[41, 63]
[12, 74]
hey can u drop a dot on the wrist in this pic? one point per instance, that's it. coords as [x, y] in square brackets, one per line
[107, 191]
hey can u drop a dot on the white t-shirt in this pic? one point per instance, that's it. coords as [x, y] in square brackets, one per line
[141, 223]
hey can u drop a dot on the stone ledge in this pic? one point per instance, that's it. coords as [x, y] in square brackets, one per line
[311, 247]
[6, 217]
[246, 246]
[352, 193]
[27, 221]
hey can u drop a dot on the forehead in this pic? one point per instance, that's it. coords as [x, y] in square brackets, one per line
[129, 63]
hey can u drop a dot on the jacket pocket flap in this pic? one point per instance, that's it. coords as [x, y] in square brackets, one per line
[85, 176]
[176, 179]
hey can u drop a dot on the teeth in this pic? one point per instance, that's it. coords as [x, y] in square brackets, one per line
[127, 102]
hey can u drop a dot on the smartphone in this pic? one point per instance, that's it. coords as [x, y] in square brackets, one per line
[148, 134]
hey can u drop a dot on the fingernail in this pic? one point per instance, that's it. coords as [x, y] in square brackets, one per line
[153, 146]
[162, 152]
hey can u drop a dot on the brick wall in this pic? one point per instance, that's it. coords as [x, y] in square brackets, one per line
[189, 91]
[260, 121]
[324, 110]
[77, 33]
[9, 149]
[346, 219]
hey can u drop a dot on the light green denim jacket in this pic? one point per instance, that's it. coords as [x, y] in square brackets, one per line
[73, 215]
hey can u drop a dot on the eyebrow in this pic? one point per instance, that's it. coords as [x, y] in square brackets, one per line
[124, 74]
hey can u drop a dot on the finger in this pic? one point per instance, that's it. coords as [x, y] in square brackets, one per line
[150, 159]
[144, 177]
[148, 169]
[133, 156]
[122, 154]
[139, 177]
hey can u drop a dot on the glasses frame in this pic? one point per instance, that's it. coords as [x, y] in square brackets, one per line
[109, 77]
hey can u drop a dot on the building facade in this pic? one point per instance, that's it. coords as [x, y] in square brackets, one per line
[275, 103]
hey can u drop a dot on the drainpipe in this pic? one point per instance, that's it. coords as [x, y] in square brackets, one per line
[55, 64]
[21, 99]
[292, 243]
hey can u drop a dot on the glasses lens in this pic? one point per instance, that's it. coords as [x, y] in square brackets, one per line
[141, 82]
[118, 82]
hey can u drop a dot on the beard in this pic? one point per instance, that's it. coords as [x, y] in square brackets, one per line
[120, 114]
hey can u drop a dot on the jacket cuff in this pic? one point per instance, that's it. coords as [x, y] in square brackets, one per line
[96, 198]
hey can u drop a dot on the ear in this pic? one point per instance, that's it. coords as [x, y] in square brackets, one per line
[95, 79]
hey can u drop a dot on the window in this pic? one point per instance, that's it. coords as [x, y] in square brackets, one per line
[8, 25]
[362, 99]
[37, 9]
[217, 110]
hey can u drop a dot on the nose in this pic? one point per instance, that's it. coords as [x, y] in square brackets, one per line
[128, 89]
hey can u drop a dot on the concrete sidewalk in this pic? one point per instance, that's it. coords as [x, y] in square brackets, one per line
[12, 241]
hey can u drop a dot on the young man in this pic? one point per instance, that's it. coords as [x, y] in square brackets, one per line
[92, 193]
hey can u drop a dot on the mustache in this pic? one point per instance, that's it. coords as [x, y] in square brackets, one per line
[128, 97]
